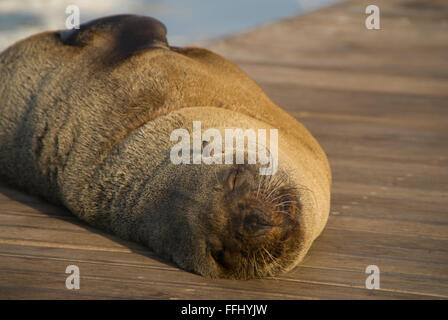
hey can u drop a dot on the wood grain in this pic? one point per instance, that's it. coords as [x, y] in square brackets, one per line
[377, 101]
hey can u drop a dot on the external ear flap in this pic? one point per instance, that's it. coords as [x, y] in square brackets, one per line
[124, 34]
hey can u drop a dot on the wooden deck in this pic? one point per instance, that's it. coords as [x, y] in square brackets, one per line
[377, 101]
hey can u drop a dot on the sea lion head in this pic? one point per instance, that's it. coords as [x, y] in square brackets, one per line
[228, 220]
[254, 227]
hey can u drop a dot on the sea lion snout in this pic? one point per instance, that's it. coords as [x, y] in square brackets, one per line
[250, 219]
[259, 224]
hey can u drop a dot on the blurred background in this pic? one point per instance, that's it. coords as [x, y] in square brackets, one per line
[188, 21]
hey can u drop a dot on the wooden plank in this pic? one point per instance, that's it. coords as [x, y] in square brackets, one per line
[411, 41]
[124, 281]
[343, 80]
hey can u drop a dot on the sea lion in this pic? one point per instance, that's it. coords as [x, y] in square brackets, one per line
[85, 122]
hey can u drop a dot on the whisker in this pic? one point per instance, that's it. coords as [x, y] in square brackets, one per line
[259, 185]
[257, 273]
[274, 261]
[262, 256]
[285, 202]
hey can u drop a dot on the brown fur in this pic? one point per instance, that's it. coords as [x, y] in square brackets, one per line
[85, 121]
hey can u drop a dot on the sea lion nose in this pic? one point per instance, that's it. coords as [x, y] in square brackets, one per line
[257, 223]
[249, 219]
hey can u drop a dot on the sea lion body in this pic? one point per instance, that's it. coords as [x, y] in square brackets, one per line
[85, 122]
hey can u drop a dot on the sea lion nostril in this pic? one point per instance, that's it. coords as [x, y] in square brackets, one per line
[257, 223]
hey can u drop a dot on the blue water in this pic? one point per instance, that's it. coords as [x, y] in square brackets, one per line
[196, 20]
[188, 21]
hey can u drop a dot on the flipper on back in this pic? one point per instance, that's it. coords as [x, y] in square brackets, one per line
[124, 34]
